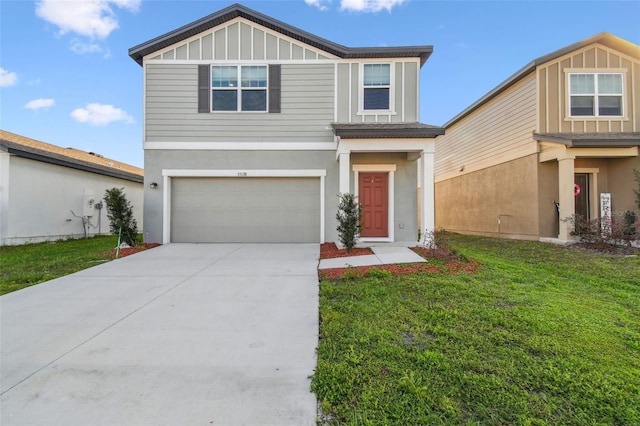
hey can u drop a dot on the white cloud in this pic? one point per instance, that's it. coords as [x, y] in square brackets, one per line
[7, 78]
[100, 114]
[40, 103]
[320, 4]
[369, 5]
[82, 48]
[90, 18]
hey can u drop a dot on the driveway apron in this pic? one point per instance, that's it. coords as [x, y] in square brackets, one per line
[183, 334]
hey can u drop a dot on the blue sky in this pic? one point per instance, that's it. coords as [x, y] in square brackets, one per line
[66, 77]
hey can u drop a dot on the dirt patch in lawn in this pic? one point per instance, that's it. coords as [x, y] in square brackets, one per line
[331, 251]
[111, 254]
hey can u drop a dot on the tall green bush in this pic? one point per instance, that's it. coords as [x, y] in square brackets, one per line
[348, 216]
[120, 214]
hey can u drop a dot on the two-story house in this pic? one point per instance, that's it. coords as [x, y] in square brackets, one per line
[252, 128]
[549, 142]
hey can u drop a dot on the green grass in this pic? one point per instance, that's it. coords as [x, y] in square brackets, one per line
[540, 335]
[25, 265]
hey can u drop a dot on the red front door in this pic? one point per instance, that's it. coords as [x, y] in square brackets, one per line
[373, 197]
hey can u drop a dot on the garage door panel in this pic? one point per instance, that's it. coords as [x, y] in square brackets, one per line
[245, 210]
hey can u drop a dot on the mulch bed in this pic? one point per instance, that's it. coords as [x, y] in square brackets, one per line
[111, 254]
[447, 262]
[331, 251]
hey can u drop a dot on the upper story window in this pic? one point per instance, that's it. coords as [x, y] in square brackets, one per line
[376, 87]
[239, 88]
[595, 94]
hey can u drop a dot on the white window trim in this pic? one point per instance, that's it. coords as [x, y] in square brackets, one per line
[595, 95]
[168, 174]
[392, 103]
[379, 168]
[239, 89]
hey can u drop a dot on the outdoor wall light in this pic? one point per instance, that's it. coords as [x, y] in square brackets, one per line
[153, 185]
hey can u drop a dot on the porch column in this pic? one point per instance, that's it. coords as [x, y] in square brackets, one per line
[344, 173]
[566, 197]
[427, 207]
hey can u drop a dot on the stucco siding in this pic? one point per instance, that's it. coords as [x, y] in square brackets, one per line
[42, 199]
[171, 108]
[405, 225]
[497, 201]
[554, 114]
[499, 131]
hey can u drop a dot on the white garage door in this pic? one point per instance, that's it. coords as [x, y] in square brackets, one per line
[206, 209]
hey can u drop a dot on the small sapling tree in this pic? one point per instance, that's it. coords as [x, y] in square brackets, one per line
[120, 214]
[348, 216]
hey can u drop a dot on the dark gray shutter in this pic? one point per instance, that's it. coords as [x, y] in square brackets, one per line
[204, 88]
[274, 88]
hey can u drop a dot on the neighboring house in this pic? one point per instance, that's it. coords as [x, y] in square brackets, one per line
[253, 127]
[544, 145]
[49, 193]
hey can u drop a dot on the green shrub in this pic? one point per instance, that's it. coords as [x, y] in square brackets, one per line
[348, 216]
[120, 214]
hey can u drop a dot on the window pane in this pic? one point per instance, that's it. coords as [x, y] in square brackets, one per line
[225, 100]
[376, 99]
[610, 105]
[582, 105]
[582, 84]
[254, 100]
[610, 84]
[224, 76]
[254, 76]
[377, 74]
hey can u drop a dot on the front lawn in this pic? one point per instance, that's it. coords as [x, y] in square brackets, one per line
[25, 265]
[538, 335]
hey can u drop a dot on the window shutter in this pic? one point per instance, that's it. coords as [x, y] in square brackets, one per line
[204, 88]
[274, 88]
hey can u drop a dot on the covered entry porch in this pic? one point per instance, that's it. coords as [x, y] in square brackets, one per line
[379, 163]
[590, 166]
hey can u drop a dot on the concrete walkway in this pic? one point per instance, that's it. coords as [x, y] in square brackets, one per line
[382, 255]
[184, 334]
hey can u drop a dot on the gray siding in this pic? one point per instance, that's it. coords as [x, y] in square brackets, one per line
[171, 108]
[406, 227]
[405, 94]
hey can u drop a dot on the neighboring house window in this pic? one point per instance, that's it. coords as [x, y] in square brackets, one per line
[239, 88]
[595, 94]
[376, 82]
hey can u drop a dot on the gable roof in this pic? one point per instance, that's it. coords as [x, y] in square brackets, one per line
[604, 38]
[237, 10]
[24, 147]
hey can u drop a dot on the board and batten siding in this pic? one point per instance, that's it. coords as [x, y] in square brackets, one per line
[405, 80]
[171, 115]
[553, 91]
[497, 132]
[239, 40]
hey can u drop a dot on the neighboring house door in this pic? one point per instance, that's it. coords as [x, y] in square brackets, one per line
[373, 194]
[581, 191]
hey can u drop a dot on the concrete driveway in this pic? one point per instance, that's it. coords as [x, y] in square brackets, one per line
[184, 334]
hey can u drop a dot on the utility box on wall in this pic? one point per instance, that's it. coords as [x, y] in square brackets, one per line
[88, 203]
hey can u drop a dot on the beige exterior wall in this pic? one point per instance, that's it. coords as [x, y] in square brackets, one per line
[497, 132]
[548, 195]
[554, 116]
[497, 201]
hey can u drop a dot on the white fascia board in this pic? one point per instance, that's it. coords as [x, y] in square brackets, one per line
[244, 173]
[243, 146]
[388, 145]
